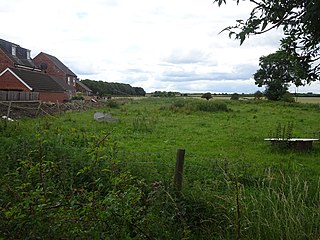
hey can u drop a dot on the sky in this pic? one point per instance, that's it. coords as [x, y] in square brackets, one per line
[159, 45]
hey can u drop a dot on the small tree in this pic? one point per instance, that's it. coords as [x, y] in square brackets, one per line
[235, 96]
[258, 95]
[207, 95]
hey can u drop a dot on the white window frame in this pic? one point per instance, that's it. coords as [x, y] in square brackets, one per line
[14, 50]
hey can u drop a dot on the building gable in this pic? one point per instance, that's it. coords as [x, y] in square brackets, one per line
[53, 64]
[19, 56]
[38, 81]
[11, 81]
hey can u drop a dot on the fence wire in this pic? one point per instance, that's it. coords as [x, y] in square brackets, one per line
[154, 166]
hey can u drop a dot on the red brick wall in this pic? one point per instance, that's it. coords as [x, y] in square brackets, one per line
[5, 61]
[52, 69]
[52, 96]
[10, 82]
[79, 88]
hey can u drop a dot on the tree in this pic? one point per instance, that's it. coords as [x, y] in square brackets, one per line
[235, 96]
[258, 95]
[207, 95]
[102, 89]
[300, 20]
[277, 71]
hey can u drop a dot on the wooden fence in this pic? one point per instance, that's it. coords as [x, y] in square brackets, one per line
[18, 96]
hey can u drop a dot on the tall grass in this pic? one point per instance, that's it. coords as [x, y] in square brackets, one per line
[286, 208]
[187, 105]
[71, 177]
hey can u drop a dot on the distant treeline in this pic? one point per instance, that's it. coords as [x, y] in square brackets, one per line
[104, 89]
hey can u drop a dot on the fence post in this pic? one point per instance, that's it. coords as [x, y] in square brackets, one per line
[38, 108]
[58, 106]
[179, 170]
[9, 108]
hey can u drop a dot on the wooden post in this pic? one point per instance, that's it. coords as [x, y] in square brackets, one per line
[179, 170]
[8, 111]
[38, 108]
[58, 106]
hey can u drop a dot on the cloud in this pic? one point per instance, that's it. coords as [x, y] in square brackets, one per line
[181, 56]
[162, 45]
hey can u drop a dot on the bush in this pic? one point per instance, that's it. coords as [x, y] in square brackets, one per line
[207, 96]
[287, 97]
[235, 96]
[112, 104]
[258, 95]
[196, 105]
[77, 97]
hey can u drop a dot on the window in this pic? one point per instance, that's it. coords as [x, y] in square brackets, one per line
[69, 80]
[28, 54]
[14, 50]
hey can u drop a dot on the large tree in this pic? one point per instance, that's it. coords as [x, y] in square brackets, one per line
[277, 71]
[300, 20]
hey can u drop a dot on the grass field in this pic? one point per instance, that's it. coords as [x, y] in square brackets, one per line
[74, 177]
[315, 100]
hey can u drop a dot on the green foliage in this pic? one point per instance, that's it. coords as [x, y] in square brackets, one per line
[103, 89]
[143, 123]
[207, 96]
[300, 23]
[190, 106]
[164, 94]
[258, 95]
[113, 103]
[77, 97]
[287, 97]
[284, 208]
[276, 71]
[279, 69]
[283, 131]
[70, 177]
[235, 96]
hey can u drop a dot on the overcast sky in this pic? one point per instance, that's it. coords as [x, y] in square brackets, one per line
[160, 45]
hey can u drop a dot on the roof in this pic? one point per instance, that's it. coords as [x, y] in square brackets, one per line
[21, 57]
[59, 64]
[37, 81]
[83, 86]
[62, 83]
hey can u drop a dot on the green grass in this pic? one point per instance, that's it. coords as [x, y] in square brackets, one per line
[235, 185]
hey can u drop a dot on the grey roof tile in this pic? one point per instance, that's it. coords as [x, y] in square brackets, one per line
[38, 81]
[21, 53]
[60, 65]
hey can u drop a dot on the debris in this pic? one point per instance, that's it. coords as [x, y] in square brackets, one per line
[104, 117]
[7, 118]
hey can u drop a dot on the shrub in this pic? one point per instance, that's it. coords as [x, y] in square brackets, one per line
[212, 106]
[77, 97]
[196, 105]
[258, 95]
[287, 97]
[235, 96]
[112, 104]
[207, 96]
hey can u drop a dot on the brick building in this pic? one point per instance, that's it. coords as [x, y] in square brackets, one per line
[53, 66]
[44, 74]
[21, 80]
